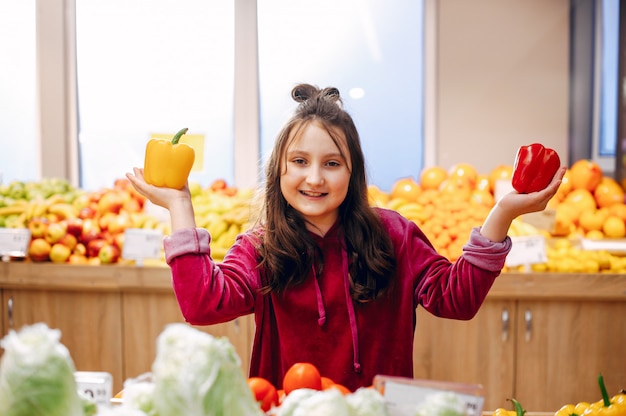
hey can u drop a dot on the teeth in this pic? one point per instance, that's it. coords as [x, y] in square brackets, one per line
[312, 193]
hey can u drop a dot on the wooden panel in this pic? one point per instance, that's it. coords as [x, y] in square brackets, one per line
[146, 316]
[479, 351]
[89, 324]
[567, 346]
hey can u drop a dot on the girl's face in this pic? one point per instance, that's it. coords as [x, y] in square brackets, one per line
[315, 177]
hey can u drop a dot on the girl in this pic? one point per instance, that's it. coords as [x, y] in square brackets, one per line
[329, 279]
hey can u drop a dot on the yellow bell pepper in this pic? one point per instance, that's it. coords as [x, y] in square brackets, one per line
[615, 406]
[519, 410]
[168, 163]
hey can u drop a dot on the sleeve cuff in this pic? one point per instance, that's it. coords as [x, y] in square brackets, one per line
[186, 241]
[484, 253]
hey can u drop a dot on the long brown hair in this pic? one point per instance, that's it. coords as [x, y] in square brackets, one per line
[287, 251]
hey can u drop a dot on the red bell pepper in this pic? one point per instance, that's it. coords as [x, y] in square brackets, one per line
[534, 168]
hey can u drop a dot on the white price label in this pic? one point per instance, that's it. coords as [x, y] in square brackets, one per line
[14, 241]
[527, 250]
[96, 385]
[403, 399]
[142, 244]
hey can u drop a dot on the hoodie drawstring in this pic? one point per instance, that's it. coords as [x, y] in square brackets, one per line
[321, 310]
[351, 313]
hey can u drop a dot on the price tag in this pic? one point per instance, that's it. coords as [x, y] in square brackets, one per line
[14, 242]
[404, 397]
[527, 250]
[96, 385]
[142, 244]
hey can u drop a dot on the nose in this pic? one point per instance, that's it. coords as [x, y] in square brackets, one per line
[314, 176]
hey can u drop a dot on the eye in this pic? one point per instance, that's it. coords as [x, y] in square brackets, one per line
[333, 163]
[298, 161]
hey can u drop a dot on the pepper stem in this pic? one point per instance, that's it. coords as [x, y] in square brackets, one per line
[605, 394]
[519, 410]
[178, 135]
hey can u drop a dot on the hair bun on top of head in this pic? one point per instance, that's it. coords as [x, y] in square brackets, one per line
[303, 92]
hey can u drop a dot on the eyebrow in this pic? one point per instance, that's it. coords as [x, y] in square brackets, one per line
[297, 152]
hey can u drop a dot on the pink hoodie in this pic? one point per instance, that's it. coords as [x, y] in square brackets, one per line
[316, 322]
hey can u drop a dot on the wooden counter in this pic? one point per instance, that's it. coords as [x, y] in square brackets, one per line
[539, 338]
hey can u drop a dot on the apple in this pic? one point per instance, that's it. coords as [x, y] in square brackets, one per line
[38, 227]
[87, 212]
[108, 254]
[93, 261]
[118, 240]
[119, 223]
[80, 249]
[104, 220]
[69, 240]
[111, 201]
[60, 253]
[91, 231]
[76, 258]
[94, 247]
[55, 232]
[74, 226]
[39, 249]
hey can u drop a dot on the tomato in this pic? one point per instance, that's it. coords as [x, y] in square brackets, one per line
[264, 392]
[302, 375]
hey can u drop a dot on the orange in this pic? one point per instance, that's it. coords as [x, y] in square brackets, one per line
[405, 188]
[482, 197]
[464, 171]
[500, 172]
[456, 188]
[431, 177]
[580, 199]
[482, 183]
[565, 187]
[614, 227]
[585, 174]
[608, 192]
[618, 210]
[302, 375]
[593, 219]
[376, 196]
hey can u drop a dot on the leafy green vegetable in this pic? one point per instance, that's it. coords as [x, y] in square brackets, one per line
[37, 375]
[196, 374]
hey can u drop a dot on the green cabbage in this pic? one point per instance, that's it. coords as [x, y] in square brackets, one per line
[367, 402]
[37, 375]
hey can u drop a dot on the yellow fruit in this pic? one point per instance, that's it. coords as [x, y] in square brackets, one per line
[608, 192]
[464, 171]
[432, 177]
[501, 172]
[581, 200]
[585, 174]
[405, 188]
[614, 227]
[593, 219]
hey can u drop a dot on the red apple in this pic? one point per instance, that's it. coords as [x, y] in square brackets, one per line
[60, 253]
[93, 261]
[39, 249]
[87, 212]
[108, 254]
[118, 240]
[91, 231]
[75, 226]
[55, 232]
[105, 219]
[111, 201]
[94, 247]
[38, 227]
[69, 240]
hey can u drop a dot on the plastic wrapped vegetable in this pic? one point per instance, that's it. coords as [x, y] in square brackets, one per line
[367, 402]
[37, 375]
[309, 402]
[442, 404]
[196, 374]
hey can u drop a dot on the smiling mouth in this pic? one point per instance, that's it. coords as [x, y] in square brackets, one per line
[313, 194]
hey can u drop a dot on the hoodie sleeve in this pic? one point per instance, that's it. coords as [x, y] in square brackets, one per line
[208, 292]
[454, 290]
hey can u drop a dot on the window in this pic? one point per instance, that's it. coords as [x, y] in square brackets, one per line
[19, 159]
[147, 68]
[372, 51]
